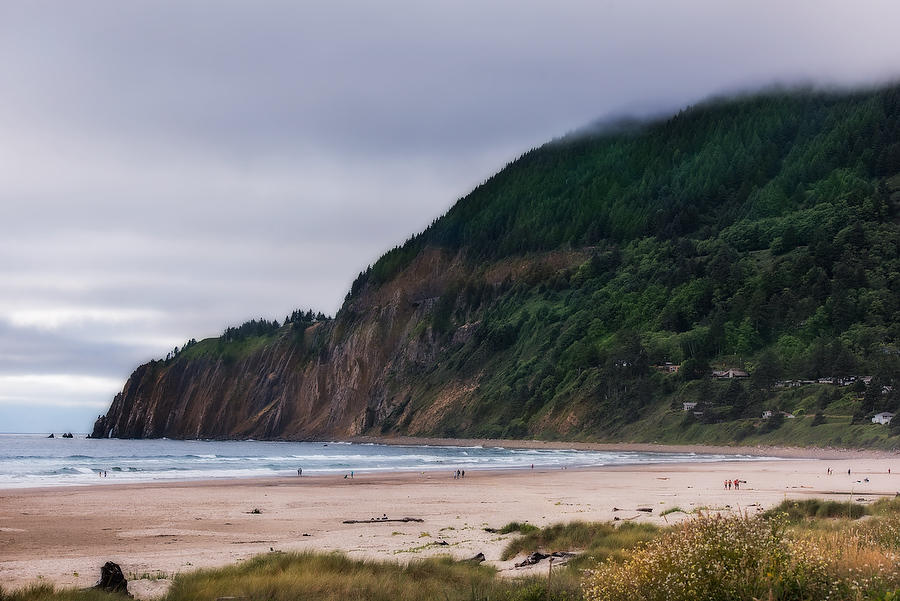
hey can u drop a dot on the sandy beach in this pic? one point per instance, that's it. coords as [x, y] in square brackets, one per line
[64, 535]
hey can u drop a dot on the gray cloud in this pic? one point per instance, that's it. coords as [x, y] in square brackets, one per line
[169, 168]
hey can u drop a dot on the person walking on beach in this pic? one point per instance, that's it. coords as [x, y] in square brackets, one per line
[299, 471]
[737, 484]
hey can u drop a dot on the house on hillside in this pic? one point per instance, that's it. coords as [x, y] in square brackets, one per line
[766, 414]
[788, 384]
[688, 406]
[667, 368]
[883, 418]
[731, 372]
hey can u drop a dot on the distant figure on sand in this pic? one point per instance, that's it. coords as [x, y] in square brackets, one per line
[299, 471]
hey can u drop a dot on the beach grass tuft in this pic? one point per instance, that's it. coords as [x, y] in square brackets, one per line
[670, 510]
[520, 527]
[797, 511]
[597, 540]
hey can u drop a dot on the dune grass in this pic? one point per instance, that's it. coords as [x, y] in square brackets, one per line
[332, 577]
[46, 592]
[797, 511]
[335, 577]
[597, 541]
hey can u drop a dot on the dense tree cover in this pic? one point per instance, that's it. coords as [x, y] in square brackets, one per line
[298, 320]
[727, 163]
[760, 232]
[252, 327]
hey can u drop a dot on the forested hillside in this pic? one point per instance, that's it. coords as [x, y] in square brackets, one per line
[758, 233]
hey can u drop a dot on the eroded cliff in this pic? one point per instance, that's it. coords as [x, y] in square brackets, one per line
[336, 378]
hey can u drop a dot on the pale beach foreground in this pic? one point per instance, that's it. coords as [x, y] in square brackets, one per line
[64, 535]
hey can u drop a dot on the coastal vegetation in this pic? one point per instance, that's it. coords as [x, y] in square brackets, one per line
[810, 549]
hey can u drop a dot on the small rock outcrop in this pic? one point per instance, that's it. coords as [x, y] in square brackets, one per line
[112, 580]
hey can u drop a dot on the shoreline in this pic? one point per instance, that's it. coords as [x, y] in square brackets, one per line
[640, 447]
[62, 535]
[723, 454]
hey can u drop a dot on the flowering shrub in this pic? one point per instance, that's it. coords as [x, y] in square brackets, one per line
[714, 558]
[883, 533]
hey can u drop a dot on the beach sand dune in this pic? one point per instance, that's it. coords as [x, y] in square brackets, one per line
[64, 535]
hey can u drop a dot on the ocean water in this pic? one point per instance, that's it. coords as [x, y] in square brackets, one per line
[30, 460]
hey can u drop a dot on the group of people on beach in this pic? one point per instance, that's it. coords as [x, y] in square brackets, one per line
[102, 473]
[459, 474]
[736, 484]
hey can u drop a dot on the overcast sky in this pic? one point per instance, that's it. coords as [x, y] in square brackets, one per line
[168, 168]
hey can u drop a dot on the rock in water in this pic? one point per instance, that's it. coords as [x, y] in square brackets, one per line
[112, 580]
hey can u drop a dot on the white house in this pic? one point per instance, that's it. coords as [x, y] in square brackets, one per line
[688, 406]
[767, 414]
[883, 418]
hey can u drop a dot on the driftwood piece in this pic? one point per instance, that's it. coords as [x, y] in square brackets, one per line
[382, 520]
[532, 559]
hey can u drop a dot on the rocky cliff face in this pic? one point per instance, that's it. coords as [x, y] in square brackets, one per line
[346, 376]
